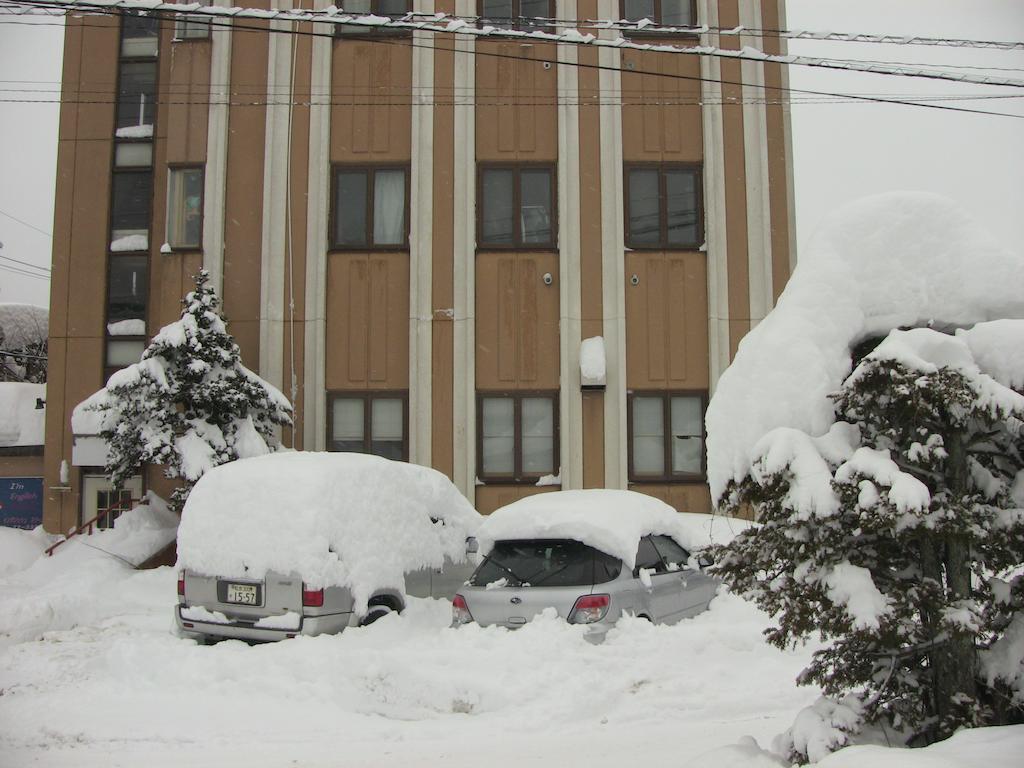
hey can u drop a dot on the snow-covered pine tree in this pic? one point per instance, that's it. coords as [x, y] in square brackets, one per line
[189, 404]
[896, 537]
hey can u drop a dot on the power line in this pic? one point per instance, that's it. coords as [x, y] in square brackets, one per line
[642, 27]
[494, 54]
[25, 263]
[25, 223]
[23, 273]
[447, 25]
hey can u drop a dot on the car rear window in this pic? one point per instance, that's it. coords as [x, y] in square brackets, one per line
[546, 563]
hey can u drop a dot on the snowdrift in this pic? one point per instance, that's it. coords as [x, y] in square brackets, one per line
[884, 262]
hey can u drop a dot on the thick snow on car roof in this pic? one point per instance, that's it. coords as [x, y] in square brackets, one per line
[334, 519]
[609, 520]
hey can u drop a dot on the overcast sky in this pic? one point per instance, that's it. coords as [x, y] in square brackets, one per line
[841, 151]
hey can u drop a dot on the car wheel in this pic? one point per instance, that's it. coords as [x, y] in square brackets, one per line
[378, 609]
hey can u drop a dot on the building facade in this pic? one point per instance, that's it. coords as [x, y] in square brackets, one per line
[414, 233]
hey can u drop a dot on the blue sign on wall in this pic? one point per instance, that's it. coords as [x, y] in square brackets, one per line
[21, 502]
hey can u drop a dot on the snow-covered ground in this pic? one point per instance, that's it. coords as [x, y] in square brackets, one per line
[110, 684]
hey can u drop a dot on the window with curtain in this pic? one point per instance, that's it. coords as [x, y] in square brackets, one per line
[663, 207]
[370, 208]
[664, 13]
[369, 422]
[666, 436]
[516, 208]
[185, 208]
[192, 27]
[517, 436]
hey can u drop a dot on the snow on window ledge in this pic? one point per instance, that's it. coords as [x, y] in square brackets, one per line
[135, 132]
[127, 328]
[130, 243]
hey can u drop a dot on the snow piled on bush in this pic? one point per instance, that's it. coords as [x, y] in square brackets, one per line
[333, 519]
[609, 520]
[884, 262]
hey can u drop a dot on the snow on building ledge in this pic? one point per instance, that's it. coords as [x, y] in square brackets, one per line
[21, 422]
[593, 368]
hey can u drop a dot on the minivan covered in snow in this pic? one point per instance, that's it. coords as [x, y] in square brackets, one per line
[592, 556]
[310, 543]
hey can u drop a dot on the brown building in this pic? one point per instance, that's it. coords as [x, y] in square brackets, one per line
[413, 234]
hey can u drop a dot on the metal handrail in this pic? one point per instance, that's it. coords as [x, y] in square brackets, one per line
[117, 506]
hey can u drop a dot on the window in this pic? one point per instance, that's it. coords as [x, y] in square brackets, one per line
[128, 154]
[132, 192]
[516, 14]
[663, 207]
[674, 556]
[517, 436]
[192, 27]
[126, 289]
[136, 98]
[647, 557]
[139, 35]
[516, 207]
[666, 437]
[185, 208]
[665, 13]
[394, 9]
[370, 208]
[123, 352]
[369, 422]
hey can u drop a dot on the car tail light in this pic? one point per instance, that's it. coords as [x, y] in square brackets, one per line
[460, 611]
[181, 584]
[590, 608]
[312, 598]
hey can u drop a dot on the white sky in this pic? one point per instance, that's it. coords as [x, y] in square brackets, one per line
[841, 151]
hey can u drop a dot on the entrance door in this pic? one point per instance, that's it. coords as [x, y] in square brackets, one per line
[98, 494]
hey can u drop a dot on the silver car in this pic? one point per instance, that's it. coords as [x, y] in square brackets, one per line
[279, 606]
[519, 578]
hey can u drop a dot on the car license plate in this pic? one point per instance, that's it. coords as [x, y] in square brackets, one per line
[245, 594]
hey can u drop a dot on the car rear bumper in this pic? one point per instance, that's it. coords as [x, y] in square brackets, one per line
[308, 625]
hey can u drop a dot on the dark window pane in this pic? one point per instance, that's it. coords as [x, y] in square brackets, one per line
[681, 205]
[185, 207]
[350, 208]
[131, 199]
[676, 13]
[534, 9]
[644, 224]
[647, 556]
[556, 563]
[126, 288]
[139, 35]
[497, 221]
[639, 9]
[671, 552]
[136, 94]
[536, 206]
[493, 10]
[392, 7]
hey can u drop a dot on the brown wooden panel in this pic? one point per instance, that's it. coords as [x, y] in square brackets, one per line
[243, 228]
[185, 96]
[661, 114]
[517, 113]
[516, 321]
[370, 86]
[89, 235]
[593, 440]
[367, 321]
[666, 321]
[684, 497]
[491, 497]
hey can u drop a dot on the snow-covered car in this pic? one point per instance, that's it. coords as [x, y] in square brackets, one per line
[593, 556]
[311, 543]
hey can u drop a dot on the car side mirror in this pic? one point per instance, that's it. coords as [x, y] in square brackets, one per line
[705, 561]
[472, 547]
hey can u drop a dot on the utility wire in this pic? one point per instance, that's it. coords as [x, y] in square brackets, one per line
[24, 263]
[25, 223]
[646, 27]
[443, 24]
[494, 54]
[23, 273]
